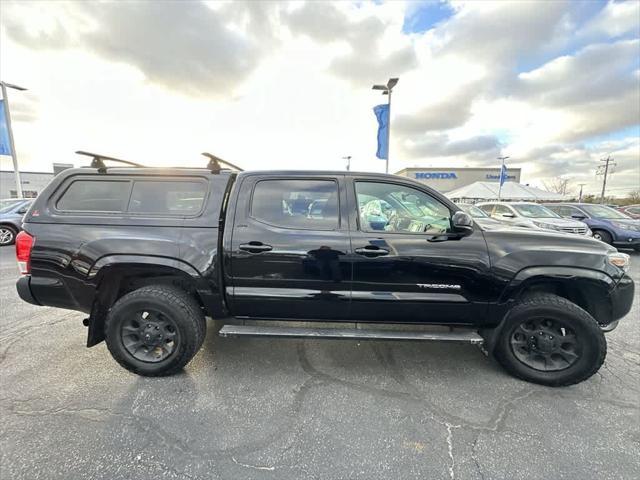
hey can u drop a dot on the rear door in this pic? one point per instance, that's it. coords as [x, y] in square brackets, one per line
[289, 248]
[405, 266]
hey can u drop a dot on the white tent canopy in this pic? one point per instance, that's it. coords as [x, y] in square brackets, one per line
[510, 191]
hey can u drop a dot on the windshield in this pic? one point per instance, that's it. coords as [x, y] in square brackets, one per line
[601, 211]
[535, 211]
[474, 211]
[6, 205]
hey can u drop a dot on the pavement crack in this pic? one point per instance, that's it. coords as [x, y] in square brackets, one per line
[452, 464]
[255, 467]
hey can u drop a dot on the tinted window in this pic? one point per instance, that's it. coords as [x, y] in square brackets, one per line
[534, 211]
[163, 197]
[601, 211]
[302, 204]
[500, 210]
[95, 196]
[400, 209]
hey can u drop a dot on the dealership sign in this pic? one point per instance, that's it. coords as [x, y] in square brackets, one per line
[496, 176]
[436, 175]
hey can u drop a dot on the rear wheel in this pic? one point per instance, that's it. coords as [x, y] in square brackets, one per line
[549, 340]
[602, 236]
[7, 235]
[155, 330]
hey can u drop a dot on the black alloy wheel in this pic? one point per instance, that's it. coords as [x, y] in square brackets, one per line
[150, 336]
[547, 339]
[155, 330]
[545, 344]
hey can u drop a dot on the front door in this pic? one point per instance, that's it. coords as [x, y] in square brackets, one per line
[289, 249]
[408, 266]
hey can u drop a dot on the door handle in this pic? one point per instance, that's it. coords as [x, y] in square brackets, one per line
[255, 247]
[372, 251]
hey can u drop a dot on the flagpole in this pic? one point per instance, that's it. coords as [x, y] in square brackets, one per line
[12, 147]
[500, 182]
[386, 168]
[386, 90]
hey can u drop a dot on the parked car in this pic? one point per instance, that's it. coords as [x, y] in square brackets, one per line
[532, 215]
[480, 217]
[632, 211]
[122, 246]
[607, 224]
[11, 212]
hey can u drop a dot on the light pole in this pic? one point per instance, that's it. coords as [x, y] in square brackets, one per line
[348, 159]
[386, 90]
[12, 146]
[500, 177]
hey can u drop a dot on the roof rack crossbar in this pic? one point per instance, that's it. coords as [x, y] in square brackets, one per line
[97, 160]
[214, 163]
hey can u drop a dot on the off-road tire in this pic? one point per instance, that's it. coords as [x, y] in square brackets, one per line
[588, 334]
[172, 302]
[603, 236]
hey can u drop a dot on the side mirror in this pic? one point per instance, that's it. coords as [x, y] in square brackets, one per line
[578, 216]
[508, 215]
[462, 223]
[22, 211]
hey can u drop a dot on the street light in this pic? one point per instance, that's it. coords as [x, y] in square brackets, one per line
[386, 90]
[348, 159]
[12, 147]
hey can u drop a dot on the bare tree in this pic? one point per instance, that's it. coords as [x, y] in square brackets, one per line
[557, 185]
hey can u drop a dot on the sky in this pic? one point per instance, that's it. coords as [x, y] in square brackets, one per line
[554, 85]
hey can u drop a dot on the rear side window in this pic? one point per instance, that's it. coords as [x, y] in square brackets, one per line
[95, 196]
[298, 204]
[165, 197]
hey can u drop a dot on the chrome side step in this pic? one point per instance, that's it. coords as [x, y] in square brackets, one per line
[456, 335]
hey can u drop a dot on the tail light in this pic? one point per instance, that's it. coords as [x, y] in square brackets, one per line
[24, 244]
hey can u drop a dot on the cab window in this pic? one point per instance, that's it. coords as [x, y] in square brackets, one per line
[95, 196]
[296, 204]
[400, 209]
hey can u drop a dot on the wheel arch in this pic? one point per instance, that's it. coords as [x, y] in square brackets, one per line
[116, 275]
[588, 289]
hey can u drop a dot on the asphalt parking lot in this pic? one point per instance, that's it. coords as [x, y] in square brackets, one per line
[291, 409]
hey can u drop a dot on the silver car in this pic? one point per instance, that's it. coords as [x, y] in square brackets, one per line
[11, 212]
[532, 215]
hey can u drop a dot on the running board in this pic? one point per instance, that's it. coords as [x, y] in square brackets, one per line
[460, 335]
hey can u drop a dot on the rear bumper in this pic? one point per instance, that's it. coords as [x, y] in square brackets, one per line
[23, 285]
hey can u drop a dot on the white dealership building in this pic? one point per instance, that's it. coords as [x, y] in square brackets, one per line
[447, 179]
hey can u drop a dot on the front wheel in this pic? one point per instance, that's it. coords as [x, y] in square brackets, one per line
[602, 236]
[155, 330]
[549, 340]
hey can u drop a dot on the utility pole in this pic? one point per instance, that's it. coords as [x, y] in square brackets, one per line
[12, 146]
[604, 170]
[348, 159]
[386, 90]
[580, 195]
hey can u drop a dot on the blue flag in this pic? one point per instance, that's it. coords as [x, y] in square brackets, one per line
[382, 114]
[5, 146]
[503, 174]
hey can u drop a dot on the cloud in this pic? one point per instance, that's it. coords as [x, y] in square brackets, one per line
[445, 114]
[617, 18]
[477, 148]
[187, 47]
[597, 72]
[368, 58]
[501, 32]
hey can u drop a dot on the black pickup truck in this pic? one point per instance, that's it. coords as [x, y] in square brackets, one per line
[148, 253]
